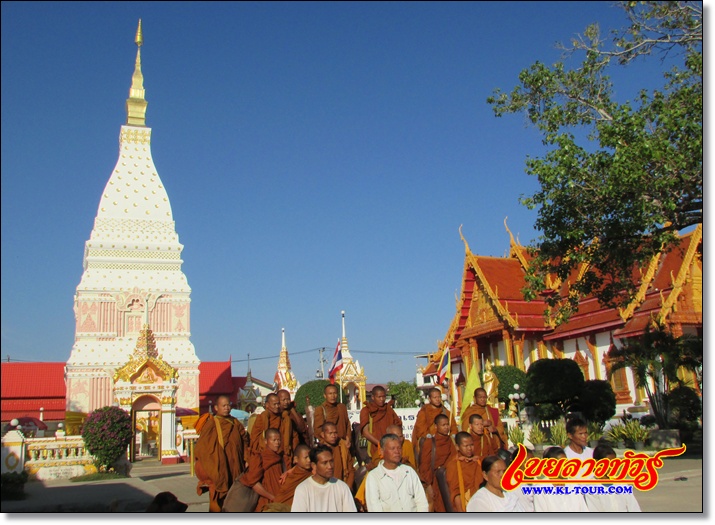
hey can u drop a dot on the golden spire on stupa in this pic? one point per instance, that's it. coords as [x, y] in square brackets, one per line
[136, 103]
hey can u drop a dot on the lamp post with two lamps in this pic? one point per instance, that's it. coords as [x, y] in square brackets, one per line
[516, 398]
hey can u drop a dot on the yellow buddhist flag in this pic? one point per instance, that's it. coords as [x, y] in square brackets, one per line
[472, 384]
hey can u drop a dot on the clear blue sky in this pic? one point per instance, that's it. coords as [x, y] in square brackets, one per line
[318, 157]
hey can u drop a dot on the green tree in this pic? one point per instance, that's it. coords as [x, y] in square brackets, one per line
[554, 381]
[619, 179]
[405, 393]
[655, 359]
[313, 390]
[107, 433]
[597, 401]
[509, 376]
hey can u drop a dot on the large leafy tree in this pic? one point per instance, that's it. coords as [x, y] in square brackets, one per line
[619, 178]
[405, 393]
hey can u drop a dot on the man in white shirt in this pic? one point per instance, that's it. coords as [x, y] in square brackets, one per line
[577, 431]
[322, 492]
[393, 486]
[617, 502]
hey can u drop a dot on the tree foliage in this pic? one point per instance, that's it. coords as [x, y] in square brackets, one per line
[405, 393]
[619, 179]
[555, 381]
[313, 390]
[597, 401]
[655, 359]
[509, 376]
[107, 433]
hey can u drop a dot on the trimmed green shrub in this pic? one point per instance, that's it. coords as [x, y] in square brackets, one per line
[107, 433]
[509, 376]
[555, 381]
[683, 405]
[13, 485]
[404, 393]
[597, 401]
[313, 390]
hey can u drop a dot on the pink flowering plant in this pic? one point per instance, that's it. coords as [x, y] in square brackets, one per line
[107, 432]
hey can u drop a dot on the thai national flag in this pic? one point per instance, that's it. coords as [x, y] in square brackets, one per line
[443, 368]
[337, 363]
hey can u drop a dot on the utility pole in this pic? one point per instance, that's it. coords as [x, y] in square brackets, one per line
[322, 362]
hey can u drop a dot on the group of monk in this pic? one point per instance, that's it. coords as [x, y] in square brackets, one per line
[282, 453]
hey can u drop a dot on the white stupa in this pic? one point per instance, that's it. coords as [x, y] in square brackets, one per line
[132, 279]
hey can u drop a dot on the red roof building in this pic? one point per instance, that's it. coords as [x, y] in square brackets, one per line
[494, 322]
[27, 387]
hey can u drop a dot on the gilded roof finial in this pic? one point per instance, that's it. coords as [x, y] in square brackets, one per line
[136, 103]
[139, 39]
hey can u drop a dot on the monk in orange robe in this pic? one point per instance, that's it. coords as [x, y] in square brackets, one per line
[435, 453]
[375, 417]
[492, 422]
[272, 418]
[221, 453]
[343, 467]
[333, 411]
[484, 444]
[265, 470]
[424, 424]
[295, 420]
[464, 472]
[300, 471]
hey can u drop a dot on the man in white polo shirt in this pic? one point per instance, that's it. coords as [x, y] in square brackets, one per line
[322, 492]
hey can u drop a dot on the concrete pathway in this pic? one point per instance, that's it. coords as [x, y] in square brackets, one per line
[680, 489]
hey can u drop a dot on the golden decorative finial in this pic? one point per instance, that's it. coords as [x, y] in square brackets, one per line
[136, 103]
[139, 39]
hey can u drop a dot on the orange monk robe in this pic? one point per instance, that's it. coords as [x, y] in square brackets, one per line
[424, 424]
[217, 466]
[344, 468]
[337, 414]
[444, 450]
[377, 419]
[408, 456]
[484, 444]
[266, 468]
[487, 415]
[295, 436]
[472, 477]
[295, 477]
[266, 420]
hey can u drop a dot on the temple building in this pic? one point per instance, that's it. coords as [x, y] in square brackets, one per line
[351, 377]
[132, 306]
[284, 378]
[494, 324]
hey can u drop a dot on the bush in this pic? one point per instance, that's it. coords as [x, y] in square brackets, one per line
[404, 393]
[683, 405]
[597, 401]
[508, 376]
[556, 381]
[516, 435]
[313, 390]
[559, 437]
[107, 433]
[13, 485]
[548, 412]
